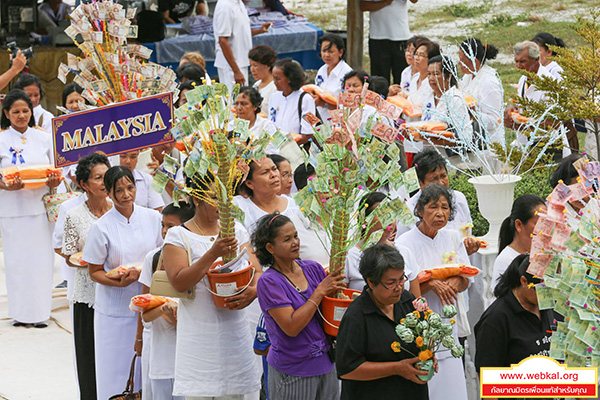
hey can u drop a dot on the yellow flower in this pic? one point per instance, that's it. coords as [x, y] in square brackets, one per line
[452, 321]
[425, 355]
[396, 348]
[402, 320]
[419, 341]
[418, 314]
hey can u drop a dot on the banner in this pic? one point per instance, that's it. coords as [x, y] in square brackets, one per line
[113, 129]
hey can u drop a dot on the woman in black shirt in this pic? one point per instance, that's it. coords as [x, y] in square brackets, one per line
[367, 363]
[513, 327]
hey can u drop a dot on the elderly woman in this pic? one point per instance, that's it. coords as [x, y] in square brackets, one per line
[513, 327]
[365, 361]
[433, 245]
[78, 221]
[262, 58]
[23, 222]
[122, 237]
[483, 83]
[289, 293]
[247, 106]
[290, 103]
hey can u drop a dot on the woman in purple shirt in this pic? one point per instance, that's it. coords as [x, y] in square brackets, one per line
[289, 293]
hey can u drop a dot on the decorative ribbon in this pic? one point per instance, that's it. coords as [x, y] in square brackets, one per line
[17, 152]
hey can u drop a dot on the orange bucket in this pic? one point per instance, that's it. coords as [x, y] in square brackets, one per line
[333, 311]
[224, 285]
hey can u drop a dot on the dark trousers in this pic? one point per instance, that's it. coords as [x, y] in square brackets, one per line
[387, 55]
[83, 333]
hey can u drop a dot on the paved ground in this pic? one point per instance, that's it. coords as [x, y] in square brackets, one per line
[37, 363]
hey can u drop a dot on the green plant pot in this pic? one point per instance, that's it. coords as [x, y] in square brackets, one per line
[428, 367]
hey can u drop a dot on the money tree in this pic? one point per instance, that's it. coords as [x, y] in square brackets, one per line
[217, 158]
[353, 155]
[111, 70]
[577, 95]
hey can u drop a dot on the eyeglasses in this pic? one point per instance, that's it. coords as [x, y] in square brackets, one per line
[287, 175]
[421, 55]
[395, 284]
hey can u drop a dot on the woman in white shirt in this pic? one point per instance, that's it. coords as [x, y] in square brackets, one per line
[290, 103]
[23, 222]
[78, 221]
[515, 233]
[354, 278]
[214, 357]
[482, 83]
[247, 106]
[408, 72]
[330, 76]
[122, 237]
[262, 58]
[449, 105]
[32, 85]
[419, 91]
[433, 245]
[543, 39]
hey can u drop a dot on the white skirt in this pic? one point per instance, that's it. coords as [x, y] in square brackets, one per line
[114, 338]
[29, 263]
[450, 375]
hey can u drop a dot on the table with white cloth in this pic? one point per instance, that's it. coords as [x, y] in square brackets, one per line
[297, 41]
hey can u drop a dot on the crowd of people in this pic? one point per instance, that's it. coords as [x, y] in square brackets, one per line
[271, 334]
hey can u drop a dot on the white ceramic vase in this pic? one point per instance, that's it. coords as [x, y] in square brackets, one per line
[495, 196]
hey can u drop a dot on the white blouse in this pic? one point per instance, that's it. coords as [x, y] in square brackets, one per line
[265, 93]
[115, 240]
[314, 244]
[78, 222]
[452, 109]
[421, 96]
[332, 82]
[145, 196]
[34, 147]
[506, 256]
[45, 116]
[283, 112]
[214, 354]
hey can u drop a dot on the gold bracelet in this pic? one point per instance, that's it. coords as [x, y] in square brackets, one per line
[312, 301]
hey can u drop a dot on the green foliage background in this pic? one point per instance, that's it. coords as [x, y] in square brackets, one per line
[534, 182]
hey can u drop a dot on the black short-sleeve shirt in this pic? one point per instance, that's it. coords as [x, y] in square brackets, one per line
[507, 333]
[366, 334]
[177, 8]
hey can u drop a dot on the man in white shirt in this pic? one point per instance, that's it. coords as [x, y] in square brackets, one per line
[388, 33]
[233, 38]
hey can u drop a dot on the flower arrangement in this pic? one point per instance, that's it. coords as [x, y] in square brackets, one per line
[427, 330]
[202, 125]
[352, 155]
[565, 253]
[110, 70]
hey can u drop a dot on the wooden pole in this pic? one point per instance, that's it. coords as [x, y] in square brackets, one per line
[354, 24]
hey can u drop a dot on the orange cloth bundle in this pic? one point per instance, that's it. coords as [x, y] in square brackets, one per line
[409, 108]
[34, 176]
[518, 118]
[323, 94]
[427, 126]
[118, 272]
[145, 302]
[483, 244]
[470, 100]
[76, 259]
[446, 271]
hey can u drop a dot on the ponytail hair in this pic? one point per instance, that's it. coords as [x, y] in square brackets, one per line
[511, 278]
[543, 39]
[472, 47]
[523, 209]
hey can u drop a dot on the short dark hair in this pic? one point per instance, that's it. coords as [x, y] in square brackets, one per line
[264, 55]
[28, 80]
[448, 68]
[112, 176]
[379, 85]
[358, 73]
[86, 164]
[413, 40]
[368, 201]
[191, 71]
[565, 170]
[523, 209]
[433, 193]
[334, 40]
[433, 49]
[11, 97]
[267, 229]
[254, 95]
[377, 259]
[70, 88]
[472, 47]
[543, 39]
[511, 278]
[301, 175]
[277, 159]
[293, 71]
[427, 161]
[184, 212]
